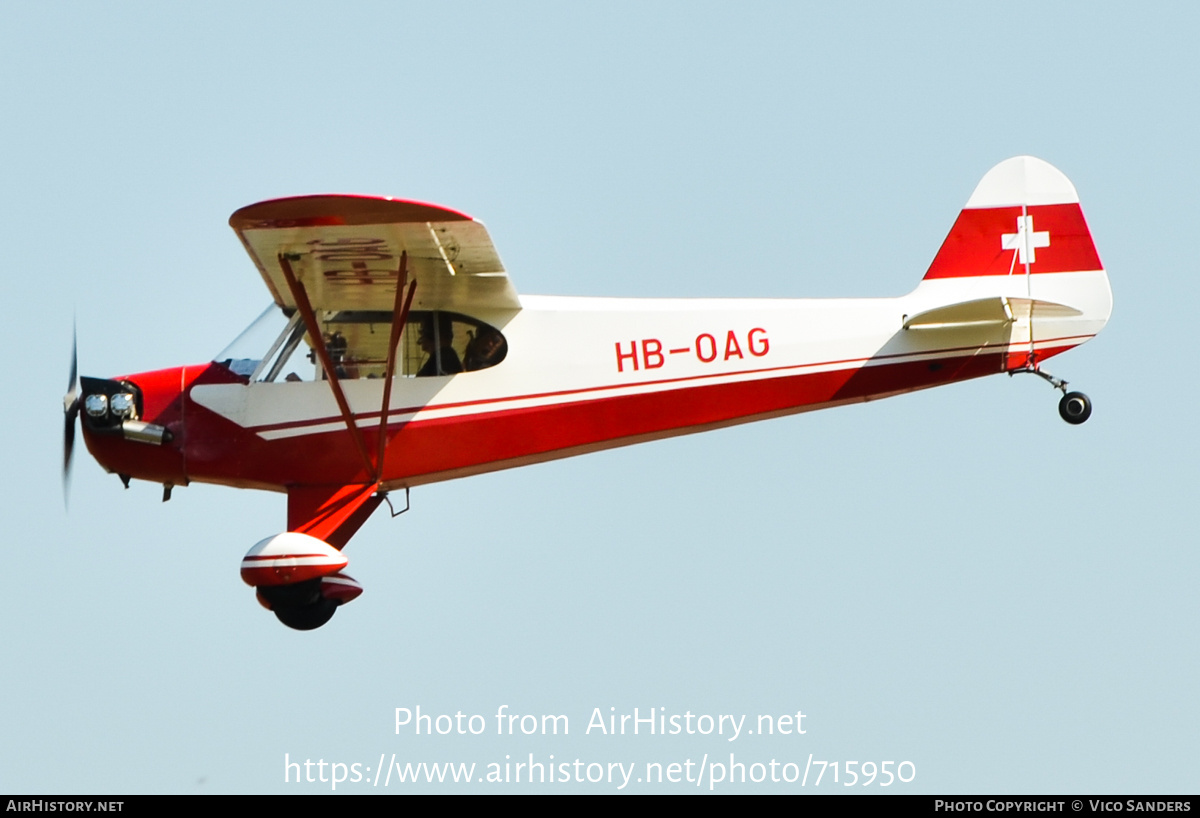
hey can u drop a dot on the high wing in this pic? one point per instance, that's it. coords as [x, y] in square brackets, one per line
[348, 248]
[345, 252]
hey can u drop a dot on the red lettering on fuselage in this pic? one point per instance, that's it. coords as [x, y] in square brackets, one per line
[652, 355]
[648, 353]
[631, 355]
[758, 346]
[731, 347]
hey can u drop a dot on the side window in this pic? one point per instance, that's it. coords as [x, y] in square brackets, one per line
[447, 343]
[432, 343]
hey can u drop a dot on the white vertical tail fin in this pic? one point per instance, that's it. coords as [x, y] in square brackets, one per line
[1019, 253]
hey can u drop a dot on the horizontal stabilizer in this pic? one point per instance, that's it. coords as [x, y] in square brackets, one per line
[983, 312]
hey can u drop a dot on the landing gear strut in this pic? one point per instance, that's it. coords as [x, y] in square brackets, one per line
[1074, 408]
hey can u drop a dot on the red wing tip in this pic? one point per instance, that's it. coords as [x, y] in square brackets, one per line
[339, 209]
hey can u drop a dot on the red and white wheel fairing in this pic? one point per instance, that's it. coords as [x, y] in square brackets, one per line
[340, 588]
[288, 558]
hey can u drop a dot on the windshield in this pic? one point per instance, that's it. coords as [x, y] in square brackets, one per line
[264, 340]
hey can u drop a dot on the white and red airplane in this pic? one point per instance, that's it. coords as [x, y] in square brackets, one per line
[421, 363]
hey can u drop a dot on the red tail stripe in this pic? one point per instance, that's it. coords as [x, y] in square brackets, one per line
[975, 246]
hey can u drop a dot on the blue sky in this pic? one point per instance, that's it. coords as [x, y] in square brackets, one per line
[954, 578]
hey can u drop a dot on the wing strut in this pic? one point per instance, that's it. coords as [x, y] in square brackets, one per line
[398, 321]
[314, 332]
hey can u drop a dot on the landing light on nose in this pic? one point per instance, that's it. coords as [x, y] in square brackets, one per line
[96, 405]
[123, 405]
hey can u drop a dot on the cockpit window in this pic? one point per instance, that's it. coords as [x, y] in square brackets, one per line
[433, 343]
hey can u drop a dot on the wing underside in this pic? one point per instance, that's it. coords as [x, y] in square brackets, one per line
[345, 252]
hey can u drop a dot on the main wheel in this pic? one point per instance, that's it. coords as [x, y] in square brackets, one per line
[296, 595]
[307, 617]
[1075, 407]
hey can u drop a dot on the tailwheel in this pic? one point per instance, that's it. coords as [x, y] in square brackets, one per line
[1075, 407]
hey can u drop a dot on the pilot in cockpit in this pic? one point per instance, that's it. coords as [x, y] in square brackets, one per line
[486, 348]
[436, 340]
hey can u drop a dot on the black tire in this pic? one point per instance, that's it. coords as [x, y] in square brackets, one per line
[1075, 408]
[307, 617]
[296, 595]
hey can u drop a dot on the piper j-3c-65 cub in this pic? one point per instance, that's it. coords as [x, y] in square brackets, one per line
[398, 353]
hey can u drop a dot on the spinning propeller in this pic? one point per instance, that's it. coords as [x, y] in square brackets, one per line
[71, 409]
[109, 408]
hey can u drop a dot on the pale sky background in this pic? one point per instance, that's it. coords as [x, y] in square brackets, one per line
[955, 578]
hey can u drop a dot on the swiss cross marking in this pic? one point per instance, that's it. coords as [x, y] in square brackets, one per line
[1025, 241]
